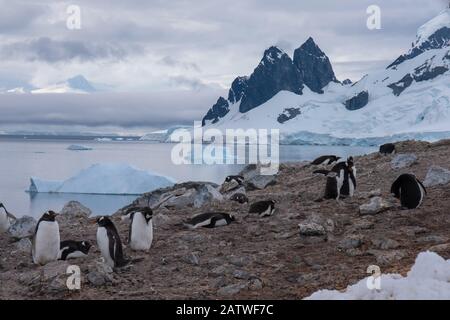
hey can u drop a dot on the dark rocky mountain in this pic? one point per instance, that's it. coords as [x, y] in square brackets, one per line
[314, 65]
[276, 72]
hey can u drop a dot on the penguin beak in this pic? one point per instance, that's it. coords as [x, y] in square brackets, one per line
[92, 220]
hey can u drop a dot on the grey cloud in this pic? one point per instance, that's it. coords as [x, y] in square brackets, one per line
[49, 50]
[172, 62]
[106, 109]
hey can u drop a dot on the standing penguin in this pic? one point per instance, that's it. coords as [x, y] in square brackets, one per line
[109, 243]
[70, 249]
[5, 217]
[341, 180]
[46, 240]
[141, 229]
[409, 190]
[263, 208]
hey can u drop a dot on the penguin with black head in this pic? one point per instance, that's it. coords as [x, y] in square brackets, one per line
[239, 197]
[341, 180]
[70, 249]
[141, 229]
[5, 218]
[409, 190]
[387, 148]
[263, 208]
[46, 239]
[210, 220]
[109, 243]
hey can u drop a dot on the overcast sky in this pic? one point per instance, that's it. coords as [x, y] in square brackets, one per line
[165, 62]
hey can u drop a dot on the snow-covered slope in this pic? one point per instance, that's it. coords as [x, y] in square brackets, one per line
[410, 98]
[428, 279]
[104, 179]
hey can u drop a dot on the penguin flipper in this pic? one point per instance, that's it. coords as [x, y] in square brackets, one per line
[424, 189]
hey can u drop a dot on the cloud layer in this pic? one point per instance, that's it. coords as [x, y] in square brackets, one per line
[155, 46]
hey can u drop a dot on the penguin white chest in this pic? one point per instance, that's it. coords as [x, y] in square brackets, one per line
[46, 242]
[103, 245]
[4, 221]
[141, 233]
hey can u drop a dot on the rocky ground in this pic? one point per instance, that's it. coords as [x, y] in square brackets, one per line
[259, 258]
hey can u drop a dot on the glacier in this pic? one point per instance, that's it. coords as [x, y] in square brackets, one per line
[113, 179]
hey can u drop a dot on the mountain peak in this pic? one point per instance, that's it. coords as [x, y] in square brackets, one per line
[314, 65]
[272, 54]
[442, 20]
[79, 82]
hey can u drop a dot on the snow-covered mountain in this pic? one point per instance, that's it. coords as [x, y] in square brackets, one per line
[301, 96]
[77, 84]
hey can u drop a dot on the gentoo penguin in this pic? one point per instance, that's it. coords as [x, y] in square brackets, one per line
[109, 243]
[341, 180]
[5, 217]
[239, 197]
[141, 229]
[46, 239]
[263, 208]
[388, 148]
[210, 220]
[325, 160]
[409, 190]
[70, 249]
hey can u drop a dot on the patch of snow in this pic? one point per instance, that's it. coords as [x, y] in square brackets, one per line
[428, 279]
[104, 179]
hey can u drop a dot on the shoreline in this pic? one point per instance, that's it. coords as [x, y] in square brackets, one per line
[256, 258]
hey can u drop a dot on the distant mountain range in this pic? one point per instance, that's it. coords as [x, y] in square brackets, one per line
[302, 97]
[77, 84]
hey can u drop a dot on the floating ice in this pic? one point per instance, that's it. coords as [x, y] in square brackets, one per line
[104, 179]
[75, 147]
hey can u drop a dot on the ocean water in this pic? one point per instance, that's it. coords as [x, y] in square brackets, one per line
[50, 160]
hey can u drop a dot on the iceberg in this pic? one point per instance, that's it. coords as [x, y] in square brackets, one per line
[114, 179]
[75, 147]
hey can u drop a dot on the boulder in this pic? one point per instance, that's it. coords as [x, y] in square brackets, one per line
[254, 180]
[23, 227]
[436, 176]
[311, 229]
[75, 209]
[375, 206]
[24, 245]
[350, 242]
[179, 196]
[232, 290]
[404, 160]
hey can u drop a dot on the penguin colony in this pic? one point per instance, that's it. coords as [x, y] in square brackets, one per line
[340, 183]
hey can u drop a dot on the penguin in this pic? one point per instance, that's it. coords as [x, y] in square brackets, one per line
[109, 243]
[5, 218]
[325, 160]
[263, 208]
[409, 190]
[141, 229]
[238, 179]
[70, 249]
[210, 220]
[239, 197]
[341, 180]
[46, 240]
[388, 148]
